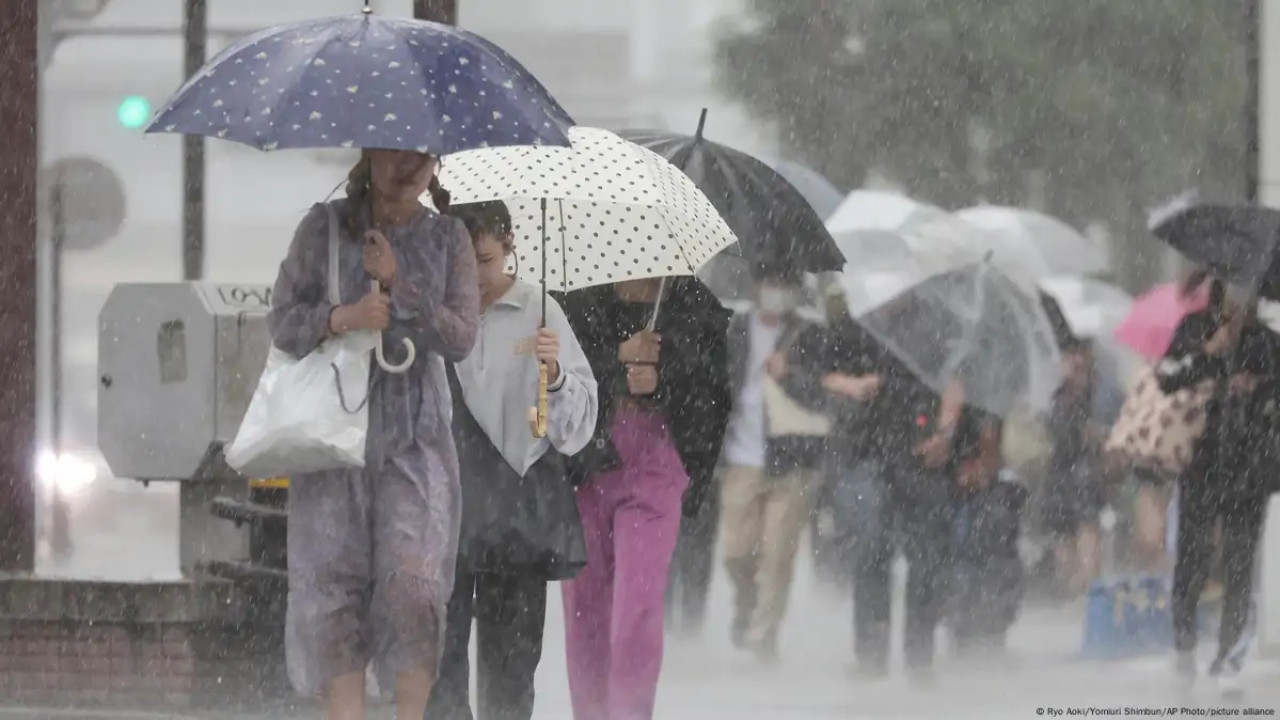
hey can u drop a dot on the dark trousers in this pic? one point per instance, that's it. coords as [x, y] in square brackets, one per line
[922, 526]
[1200, 505]
[510, 611]
[692, 566]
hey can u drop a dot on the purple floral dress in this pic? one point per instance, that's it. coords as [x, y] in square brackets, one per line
[372, 550]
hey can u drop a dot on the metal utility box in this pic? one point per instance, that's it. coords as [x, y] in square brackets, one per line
[177, 367]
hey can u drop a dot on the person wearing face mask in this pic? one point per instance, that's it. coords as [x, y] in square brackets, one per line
[769, 465]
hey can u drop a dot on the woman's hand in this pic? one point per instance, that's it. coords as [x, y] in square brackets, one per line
[379, 258]
[1228, 334]
[1221, 341]
[776, 366]
[935, 451]
[973, 475]
[642, 379]
[373, 312]
[1243, 383]
[643, 347]
[547, 349]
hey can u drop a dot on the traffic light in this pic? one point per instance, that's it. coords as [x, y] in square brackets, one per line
[134, 112]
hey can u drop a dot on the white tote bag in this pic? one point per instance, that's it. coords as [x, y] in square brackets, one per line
[309, 414]
[785, 417]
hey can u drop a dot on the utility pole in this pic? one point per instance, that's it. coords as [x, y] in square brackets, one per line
[441, 11]
[19, 113]
[195, 36]
[1253, 99]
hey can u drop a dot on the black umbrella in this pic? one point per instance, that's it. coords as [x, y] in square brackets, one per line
[775, 225]
[1235, 242]
[1062, 333]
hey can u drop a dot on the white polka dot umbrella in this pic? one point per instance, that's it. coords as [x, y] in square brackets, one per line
[614, 210]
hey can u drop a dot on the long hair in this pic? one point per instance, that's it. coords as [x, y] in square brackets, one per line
[360, 188]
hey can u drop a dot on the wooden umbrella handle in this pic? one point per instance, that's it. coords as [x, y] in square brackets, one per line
[538, 413]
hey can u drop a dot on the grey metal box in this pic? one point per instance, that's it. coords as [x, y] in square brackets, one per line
[177, 366]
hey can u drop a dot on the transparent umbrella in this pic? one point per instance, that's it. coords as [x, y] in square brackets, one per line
[1033, 242]
[1093, 308]
[882, 231]
[978, 325]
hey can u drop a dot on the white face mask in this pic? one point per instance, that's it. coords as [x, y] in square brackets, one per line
[777, 301]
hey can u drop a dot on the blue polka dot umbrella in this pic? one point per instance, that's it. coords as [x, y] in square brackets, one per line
[366, 81]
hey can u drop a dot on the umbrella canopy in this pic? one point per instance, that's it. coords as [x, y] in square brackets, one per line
[1114, 366]
[729, 274]
[822, 196]
[1034, 242]
[776, 227]
[1092, 308]
[1062, 333]
[366, 81]
[1235, 242]
[865, 291]
[977, 325]
[614, 210]
[730, 277]
[885, 231]
[1154, 317]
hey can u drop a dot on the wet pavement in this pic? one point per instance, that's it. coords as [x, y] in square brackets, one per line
[123, 532]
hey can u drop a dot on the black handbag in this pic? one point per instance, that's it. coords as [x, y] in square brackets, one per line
[527, 524]
[599, 456]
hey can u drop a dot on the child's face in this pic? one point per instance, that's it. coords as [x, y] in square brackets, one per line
[491, 260]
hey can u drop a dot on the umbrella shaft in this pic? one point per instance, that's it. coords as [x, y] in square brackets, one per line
[441, 11]
[195, 36]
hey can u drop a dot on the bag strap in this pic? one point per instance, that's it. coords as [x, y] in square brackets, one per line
[335, 299]
[335, 269]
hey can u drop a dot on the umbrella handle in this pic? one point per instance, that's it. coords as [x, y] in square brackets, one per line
[538, 413]
[411, 353]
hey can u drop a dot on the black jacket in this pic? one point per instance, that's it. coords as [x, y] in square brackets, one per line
[1237, 455]
[782, 454]
[887, 428]
[693, 369]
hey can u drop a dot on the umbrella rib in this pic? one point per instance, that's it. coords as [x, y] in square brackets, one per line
[281, 106]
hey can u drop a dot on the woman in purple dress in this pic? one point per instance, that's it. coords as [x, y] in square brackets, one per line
[372, 550]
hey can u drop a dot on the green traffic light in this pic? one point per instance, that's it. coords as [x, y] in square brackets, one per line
[133, 112]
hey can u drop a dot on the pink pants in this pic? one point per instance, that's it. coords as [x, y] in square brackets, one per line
[613, 608]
